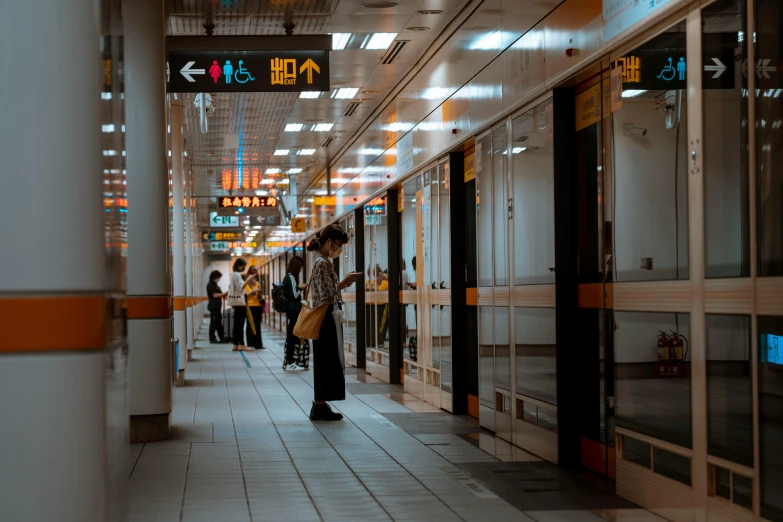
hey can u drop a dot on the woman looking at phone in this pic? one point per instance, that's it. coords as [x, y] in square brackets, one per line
[325, 288]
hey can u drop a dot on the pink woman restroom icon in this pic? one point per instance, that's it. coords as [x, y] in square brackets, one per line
[214, 71]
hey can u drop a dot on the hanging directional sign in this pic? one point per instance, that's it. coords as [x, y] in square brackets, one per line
[223, 236]
[222, 221]
[248, 64]
[666, 69]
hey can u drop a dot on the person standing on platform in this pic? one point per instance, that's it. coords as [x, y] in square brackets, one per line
[215, 307]
[325, 288]
[297, 355]
[254, 309]
[236, 299]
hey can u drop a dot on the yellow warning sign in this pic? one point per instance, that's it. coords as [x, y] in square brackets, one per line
[298, 224]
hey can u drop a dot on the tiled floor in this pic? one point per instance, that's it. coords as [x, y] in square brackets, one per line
[244, 450]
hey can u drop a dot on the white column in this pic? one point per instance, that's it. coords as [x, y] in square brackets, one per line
[191, 339]
[149, 280]
[178, 241]
[54, 276]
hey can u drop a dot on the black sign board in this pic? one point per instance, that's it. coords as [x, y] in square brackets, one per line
[248, 64]
[666, 69]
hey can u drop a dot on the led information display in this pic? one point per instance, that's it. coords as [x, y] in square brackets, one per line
[248, 202]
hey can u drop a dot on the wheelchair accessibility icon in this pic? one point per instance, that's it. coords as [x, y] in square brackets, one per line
[244, 74]
[669, 72]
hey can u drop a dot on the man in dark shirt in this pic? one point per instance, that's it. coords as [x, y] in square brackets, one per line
[215, 307]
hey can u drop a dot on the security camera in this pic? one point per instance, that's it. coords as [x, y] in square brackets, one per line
[634, 131]
[208, 103]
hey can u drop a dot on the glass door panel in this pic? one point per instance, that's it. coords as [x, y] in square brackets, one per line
[485, 254]
[409, 297]
[444, 286]
[533, 239]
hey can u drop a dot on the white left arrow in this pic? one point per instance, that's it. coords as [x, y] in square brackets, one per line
[719, 68]
[187, 71]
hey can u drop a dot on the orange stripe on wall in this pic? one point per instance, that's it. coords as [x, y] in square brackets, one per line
[149, 307]
[180, 303]
[473, 406]
[591, 295]
[471, 296]
[69, 323]
[595, 455]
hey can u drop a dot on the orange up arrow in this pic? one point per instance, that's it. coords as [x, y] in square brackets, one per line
[309, 66]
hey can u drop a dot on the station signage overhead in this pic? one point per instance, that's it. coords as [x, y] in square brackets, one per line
[248, 64]
[667, 69]
[223, 236]
[247, 202]
[216, 220]
[226, 245]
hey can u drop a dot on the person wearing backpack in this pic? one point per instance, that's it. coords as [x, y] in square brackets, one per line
[291, 289]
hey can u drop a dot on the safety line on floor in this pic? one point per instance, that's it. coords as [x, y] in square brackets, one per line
[244, 358]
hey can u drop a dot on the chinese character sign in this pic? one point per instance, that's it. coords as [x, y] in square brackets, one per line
[246, 202]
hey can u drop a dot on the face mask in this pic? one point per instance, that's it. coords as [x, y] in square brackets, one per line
[334, 254]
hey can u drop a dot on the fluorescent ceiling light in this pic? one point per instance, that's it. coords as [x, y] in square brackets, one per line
[371, 152]
[273, 171]
[380, 40]
[400, 126]
[109, 152]
[340, 40]
[293, 127]
[294, 171]
[283, 182]
[517, 150]
[350, 170]
[345, 93]
[267, 181]
[282, 152]
[339, 180]
[323, 127]
[107, 128]
[433, 93]
[632, 92]
[105, 96]
[488, 42]
[310, 94]
[306, 152]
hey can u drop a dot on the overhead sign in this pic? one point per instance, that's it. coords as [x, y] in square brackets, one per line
[216, 220]
[248, 202]
[376, 207]
[226, 245]
[620, 15]
[248, 64]
[298, 225]
[223, 236]
[666, 69]
[269, 221]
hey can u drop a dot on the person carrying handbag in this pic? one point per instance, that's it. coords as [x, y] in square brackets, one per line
[236, 300]
[323, 300]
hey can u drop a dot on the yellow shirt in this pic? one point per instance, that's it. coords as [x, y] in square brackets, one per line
[252, 299]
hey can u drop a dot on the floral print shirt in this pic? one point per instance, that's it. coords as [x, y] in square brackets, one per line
[323, 282]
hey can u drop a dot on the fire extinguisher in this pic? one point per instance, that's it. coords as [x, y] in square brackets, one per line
[679, 346]
[663, 346]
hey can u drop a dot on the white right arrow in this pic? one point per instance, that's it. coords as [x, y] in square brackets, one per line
[719, 68]
[187, 71]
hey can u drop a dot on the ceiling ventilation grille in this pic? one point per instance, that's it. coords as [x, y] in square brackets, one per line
[328, 141]
[351, 108]
[307, 168]
[394, 52]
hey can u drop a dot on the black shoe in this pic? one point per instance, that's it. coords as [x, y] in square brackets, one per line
[214, 341]
[324, 412]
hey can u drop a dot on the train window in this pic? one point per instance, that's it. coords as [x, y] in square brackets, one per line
[671, 465]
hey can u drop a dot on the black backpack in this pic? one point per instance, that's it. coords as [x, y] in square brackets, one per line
[279, 300]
